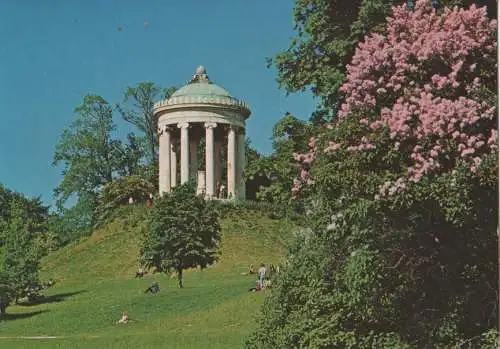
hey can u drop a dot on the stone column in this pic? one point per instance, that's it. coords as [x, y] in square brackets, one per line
[218, 172]
[241, 165]
[164, 160]
[173, 166]
[193, 158]
[209, 159]
[231, 163]
[184, 152]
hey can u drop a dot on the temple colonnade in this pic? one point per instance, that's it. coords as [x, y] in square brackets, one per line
[202, 110]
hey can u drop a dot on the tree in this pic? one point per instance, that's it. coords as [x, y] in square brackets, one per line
[255, 172]
[22, 245]
[290, 136]
[91, 158]
[4, 294]
[33, 206]
[71, 224]
[131, 155]
[183, 232]
[402, 208]
[327, 32]
[137, 109]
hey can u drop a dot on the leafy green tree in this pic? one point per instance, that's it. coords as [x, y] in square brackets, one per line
[131, 155]
[21, 248]
[34, 213]
[401, 198]
[90, 156]
[327, 32]
[22, 256]
[183, 233]
[5, 295]
[33, 206]
[255, 174]
[275, 171]
[137, 109]
[75, 222]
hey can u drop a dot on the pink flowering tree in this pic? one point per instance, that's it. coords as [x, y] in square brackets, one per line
[426, 90]
[402, 195]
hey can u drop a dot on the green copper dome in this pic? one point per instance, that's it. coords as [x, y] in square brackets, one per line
[200, 85]
[201, 91]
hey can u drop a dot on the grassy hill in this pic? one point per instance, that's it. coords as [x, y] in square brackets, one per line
[95, 283]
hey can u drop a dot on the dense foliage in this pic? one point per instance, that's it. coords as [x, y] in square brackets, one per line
[90, 156]
[327, 32]
[118, 193]
[183, 232]
[137, 109]
[401, 196]
[24, 240]
[273, 172]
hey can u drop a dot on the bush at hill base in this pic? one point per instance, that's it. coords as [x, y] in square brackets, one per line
[118, 192]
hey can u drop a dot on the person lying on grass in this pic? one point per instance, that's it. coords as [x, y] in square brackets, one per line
[154, 288]
[250, 270]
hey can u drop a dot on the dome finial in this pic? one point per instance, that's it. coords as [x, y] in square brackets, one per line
[200, 75]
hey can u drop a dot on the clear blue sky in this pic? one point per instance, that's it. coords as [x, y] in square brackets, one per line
[54, 52]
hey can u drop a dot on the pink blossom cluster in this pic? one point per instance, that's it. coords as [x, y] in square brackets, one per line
[297, 185]
[306, 160]
[393, 84]
[391, 188]
[332, 147]
[363, 145]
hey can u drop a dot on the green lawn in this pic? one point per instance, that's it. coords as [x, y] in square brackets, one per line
[95, 283]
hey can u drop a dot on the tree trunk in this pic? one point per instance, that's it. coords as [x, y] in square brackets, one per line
[152, 148]
[3, 307]
[179, 276]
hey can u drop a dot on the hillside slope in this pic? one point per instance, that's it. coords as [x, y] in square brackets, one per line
[95, 283]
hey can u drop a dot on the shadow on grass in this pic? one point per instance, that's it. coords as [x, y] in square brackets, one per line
[18, 316]
[56, 298]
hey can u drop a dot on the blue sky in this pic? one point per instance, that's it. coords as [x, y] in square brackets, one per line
[54, 52]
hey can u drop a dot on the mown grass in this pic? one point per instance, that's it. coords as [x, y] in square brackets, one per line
[95, 283]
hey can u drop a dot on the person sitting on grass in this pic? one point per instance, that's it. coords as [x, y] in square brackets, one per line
[250, 270]
[261, 287]
[257, 288]
[154, 288]
[140, 273]
[124, 318]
